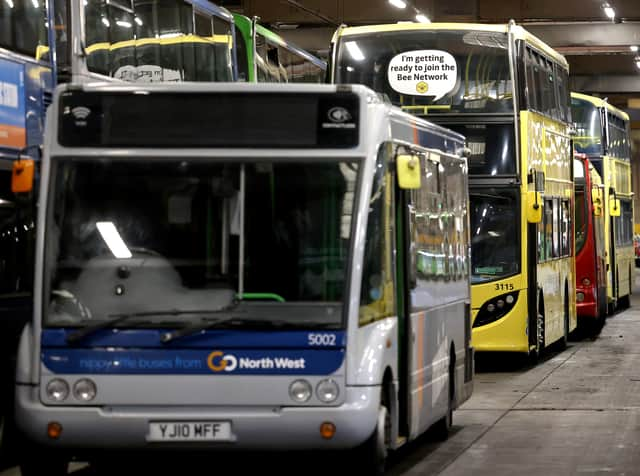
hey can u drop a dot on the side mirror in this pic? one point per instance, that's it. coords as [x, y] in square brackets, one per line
[596, 201]
[534, 207]
[22, 176]
[614, 207]
[408, 170]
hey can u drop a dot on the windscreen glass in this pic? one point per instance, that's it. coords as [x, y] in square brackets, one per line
[176, 240]
[492, 147]
[495, 235]
[588, 125]
[431, 71]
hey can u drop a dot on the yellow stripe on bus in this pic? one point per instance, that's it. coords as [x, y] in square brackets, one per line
[217, 39]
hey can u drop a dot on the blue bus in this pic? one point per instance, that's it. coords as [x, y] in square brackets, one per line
[27, 77]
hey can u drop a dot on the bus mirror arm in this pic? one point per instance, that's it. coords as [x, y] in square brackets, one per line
[534, 210]
[614, 203]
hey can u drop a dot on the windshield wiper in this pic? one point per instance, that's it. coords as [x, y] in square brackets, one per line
[195, 328]
[80, 334]
[238, 322]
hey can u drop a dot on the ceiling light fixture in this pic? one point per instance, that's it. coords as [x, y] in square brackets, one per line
[113, 239]
[633, 48]
[355, 51]
[609, 11]
[398, 3]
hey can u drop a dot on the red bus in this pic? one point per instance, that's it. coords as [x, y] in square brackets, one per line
[591, 277]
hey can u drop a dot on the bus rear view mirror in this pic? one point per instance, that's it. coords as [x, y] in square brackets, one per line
[596, 201]
[408, 170]
[22, 176]
[614, 207]
[534, 207]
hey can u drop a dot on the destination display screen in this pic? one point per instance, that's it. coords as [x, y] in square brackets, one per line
[220, 119]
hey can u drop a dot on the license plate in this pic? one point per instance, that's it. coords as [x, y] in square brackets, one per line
[190, 431]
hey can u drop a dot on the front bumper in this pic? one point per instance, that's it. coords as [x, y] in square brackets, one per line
[586, 303]
[255, 428]
[507, 334]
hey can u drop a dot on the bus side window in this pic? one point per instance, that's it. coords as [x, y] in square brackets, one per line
[556, 228]
[241, 55]
[545, 236]
[223, 46]
[428, 237]
[201, 51]
[562, 92]
[377, 293]
[533, 93]
[97, 37]
[566, 228]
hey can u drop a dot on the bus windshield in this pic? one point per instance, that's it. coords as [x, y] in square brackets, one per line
[23, 28]
[588, 125]
[431, 71]
[142, 42]
[579, 173]
[495, 243]
[492, 146]
[169, 237]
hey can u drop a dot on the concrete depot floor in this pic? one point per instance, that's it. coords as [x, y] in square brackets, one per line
[575, 413]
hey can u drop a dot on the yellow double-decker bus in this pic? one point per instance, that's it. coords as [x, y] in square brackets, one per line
[602, 133]
[507, 92]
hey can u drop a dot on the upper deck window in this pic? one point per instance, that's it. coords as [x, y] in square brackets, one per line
[23, 28]
[588, 125]
[454, 71]
[158, 40]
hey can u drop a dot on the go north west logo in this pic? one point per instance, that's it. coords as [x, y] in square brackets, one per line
[218, 361]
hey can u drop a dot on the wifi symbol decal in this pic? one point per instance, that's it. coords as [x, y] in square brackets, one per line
[80, 112]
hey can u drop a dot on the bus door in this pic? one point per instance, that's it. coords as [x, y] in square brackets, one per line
[612, 271]
[597, 216]
[423, 338]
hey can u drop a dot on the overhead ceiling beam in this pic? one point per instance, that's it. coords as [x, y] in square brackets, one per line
[606, 84]
[566, 34]
[593, 50]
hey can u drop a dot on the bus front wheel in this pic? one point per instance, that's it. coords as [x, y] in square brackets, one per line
[536, 352]
[372, 454]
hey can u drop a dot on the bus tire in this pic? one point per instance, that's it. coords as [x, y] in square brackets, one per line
[371, 456]
[536, 353]
[624, 302]
[442, 427]
[564, 340]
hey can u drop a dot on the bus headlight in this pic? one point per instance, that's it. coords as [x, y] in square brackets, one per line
[495, 308]
[85, 390]
[586, 282]
[58, 390]
[327, 391]
[300, 391]
[580, 297]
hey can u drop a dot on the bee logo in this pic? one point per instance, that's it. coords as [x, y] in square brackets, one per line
[422, 87]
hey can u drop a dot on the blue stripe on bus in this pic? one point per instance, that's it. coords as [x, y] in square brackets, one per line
[217, 338]
[193, 362]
